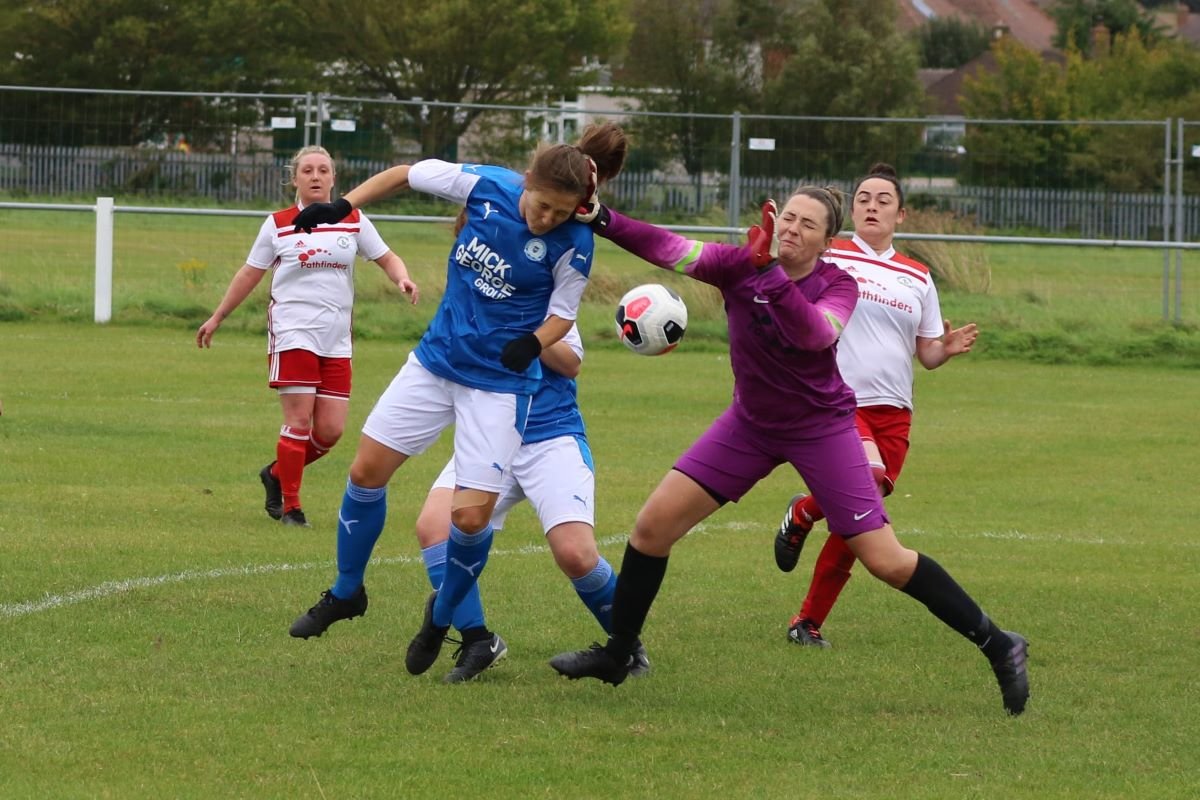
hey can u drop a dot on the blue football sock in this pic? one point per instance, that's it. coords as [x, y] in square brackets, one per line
[469, 613]
[596, 591]
[360, 521]
[466, 556]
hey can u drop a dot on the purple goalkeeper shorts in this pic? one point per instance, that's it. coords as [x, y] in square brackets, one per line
[733, 455]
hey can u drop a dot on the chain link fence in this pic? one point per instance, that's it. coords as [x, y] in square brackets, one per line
[1125, 184]
[1093, 179]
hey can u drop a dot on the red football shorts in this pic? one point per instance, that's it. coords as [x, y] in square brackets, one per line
[887, 427]
[329, 376]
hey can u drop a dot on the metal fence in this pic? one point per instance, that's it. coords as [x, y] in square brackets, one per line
[1104, 179]
[52, 171]
[1124, 182]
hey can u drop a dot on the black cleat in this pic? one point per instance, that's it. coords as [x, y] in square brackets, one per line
[424, 648]
[1013, 676]
[295, 518]
[790, 538]
[806, 632]
[328, 610]
[472, 658]
[641, 662]
[594, 662]
[274, 504]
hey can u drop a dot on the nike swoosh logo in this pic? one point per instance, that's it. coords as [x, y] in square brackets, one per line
[761, 300]
[495, 645]
[857, 517]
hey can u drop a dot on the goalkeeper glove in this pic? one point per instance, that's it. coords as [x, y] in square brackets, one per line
[764, 244]
[592, 212]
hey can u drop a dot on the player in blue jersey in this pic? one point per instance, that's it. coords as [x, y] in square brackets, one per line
[515, 276]
[554, 471]
[786, 308]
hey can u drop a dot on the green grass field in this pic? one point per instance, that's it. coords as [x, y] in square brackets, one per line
[1047, 304]
[147, 597]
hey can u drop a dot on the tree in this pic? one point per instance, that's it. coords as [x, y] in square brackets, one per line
[461, 51]
[950, 42]
[1022, 87]
[147, 45]
[1077, 20]
[687, 59]
[1133, 81]
[848, 60]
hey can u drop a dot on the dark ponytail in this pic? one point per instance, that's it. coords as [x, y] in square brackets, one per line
[607, 145]
[565, 167]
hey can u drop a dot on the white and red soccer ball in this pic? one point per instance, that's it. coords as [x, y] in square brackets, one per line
[651, 319]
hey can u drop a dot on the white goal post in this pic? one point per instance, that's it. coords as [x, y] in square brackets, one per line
[104, 258]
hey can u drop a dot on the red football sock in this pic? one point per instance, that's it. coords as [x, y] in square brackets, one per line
[807, 506]
[830, 574]
[315, 449]
[289, 463]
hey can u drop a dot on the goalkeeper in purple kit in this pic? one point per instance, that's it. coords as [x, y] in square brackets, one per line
[786, 308]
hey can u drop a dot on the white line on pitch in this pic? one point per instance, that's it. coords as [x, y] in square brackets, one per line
[111, 588]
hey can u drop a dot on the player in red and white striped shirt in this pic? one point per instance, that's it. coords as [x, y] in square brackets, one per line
[308, 323]
[897, 317]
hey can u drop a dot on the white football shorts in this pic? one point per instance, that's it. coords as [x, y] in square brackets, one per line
[418, 405]
[556, 476]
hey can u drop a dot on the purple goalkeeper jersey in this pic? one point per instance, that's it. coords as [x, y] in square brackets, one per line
[782, 333]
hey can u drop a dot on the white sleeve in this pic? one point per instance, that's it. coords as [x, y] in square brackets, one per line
[370, 244]
[930, 326]
[574, 341]
[262, 254]
[447, 181]
[569, 284]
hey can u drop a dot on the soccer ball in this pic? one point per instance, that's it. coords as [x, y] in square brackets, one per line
[651, 319]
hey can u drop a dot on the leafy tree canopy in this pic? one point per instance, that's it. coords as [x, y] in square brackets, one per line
[849, 60]
[200, 45]
[1133, 81]
[1076, 22]
[950, 42]
[146, 46]
[693, 57]
[462, 51]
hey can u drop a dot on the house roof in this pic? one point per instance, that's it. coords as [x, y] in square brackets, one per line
[1026, 20]
[945, 90]
[1189, 31]
[1181, 21]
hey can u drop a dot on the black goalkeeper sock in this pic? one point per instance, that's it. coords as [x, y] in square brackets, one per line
[637, 586]
[950, 603]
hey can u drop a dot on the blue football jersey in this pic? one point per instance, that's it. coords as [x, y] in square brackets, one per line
[500, 277]
[554, 411]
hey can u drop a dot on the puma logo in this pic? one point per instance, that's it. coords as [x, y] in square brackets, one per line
[469, 569]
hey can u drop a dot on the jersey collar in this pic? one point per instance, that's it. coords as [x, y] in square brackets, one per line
[888, 254]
